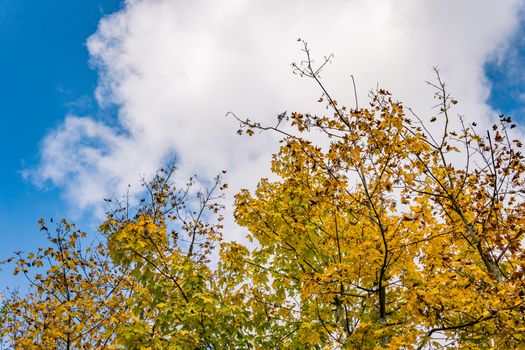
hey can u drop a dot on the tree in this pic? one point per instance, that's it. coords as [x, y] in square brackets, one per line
[181, 303]
[376, 235]
[76, 303]
[147, 284]
[380, 239]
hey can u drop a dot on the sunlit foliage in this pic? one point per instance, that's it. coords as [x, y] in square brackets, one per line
[383, 230]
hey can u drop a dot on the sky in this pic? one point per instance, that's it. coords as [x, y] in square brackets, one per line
[45, 74]
[95, 94]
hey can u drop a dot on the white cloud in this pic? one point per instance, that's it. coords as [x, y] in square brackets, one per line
[176, 67]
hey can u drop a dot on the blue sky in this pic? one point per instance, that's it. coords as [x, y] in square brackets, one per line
[46, 75]
[507, 78]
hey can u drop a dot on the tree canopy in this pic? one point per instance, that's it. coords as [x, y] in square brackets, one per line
[383, 230]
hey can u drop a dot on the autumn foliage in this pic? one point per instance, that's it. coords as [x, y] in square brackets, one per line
[384, 230]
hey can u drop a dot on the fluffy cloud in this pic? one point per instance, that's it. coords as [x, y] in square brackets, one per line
[174, 68]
